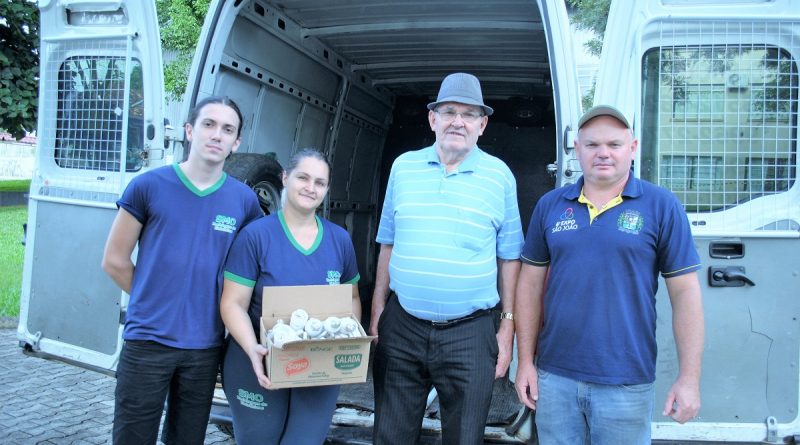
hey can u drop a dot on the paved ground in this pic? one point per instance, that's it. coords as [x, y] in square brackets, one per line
[47, 402]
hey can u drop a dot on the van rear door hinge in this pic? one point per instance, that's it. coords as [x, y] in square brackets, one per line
[772, 429]
[31, 343]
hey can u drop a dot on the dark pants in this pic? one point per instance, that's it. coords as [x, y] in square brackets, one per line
[288, 416]
[148, 373]
[412, 355]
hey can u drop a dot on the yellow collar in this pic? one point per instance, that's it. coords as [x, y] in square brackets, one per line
[594, 212]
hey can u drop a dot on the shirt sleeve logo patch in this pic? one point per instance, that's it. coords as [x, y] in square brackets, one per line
[224, 223]
[630, 221]
[334, 277]
[567, 222]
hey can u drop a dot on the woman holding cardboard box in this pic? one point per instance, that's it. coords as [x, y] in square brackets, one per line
[294, 247]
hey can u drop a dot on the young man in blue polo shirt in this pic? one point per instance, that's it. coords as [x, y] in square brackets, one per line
[449, 229]
[585, 303]
[183, 217]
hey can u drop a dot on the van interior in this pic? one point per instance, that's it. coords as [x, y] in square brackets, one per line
[354, 78]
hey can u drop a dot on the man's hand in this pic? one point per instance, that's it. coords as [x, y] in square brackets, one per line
[527, 385]
[688, 327]
[505, 344]
[375, 316]
[381, 293]
[683, 400]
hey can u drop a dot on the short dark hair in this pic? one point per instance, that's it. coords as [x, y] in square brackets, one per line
[308, 152]
[222, 100]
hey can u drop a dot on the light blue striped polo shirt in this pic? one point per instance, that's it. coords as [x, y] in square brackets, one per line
[447, 232]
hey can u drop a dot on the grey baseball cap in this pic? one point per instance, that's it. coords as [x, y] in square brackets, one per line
[462, 88]
[603, 110]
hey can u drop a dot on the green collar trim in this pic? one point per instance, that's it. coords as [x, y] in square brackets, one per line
[294, 242]
[195, 190]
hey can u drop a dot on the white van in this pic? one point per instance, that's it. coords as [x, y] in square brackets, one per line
[713, 90]
[712, 87]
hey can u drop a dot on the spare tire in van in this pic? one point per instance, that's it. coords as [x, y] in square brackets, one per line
[262, 172]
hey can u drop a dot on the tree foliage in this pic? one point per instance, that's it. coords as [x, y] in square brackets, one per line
[19, 66]
[180, 22]
[591, 15]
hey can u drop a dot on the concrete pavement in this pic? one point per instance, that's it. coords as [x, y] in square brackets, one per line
[48, 402]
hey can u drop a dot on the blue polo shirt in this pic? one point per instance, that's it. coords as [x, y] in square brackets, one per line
[185, 237]
[599, 305]
[266, 254]
[447, 232]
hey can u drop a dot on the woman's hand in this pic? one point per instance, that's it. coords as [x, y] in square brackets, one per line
[257, 355]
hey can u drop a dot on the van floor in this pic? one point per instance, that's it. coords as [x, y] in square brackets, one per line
[502, 411]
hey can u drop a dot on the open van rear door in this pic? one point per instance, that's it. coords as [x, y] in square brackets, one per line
[712, 87]
[100, 124]
[566, 92]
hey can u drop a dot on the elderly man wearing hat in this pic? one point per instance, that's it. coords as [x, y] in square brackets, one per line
[601, 244]
[449, 227]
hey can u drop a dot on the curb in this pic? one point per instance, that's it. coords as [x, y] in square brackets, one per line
[13, 198]
[8, 322]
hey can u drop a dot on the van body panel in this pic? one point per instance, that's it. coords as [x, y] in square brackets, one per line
[565, 87]
[712, 90]
[100, 124]
[61, 234]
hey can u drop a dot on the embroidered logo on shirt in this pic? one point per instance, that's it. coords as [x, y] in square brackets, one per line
[567, 222]
[334, 277]
[224, 223]
[630, 221]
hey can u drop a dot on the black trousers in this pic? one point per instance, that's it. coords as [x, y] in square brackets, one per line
[150, 373]
[412, 356]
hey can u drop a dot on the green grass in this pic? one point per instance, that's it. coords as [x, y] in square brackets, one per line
[11, 253]
[15, 185]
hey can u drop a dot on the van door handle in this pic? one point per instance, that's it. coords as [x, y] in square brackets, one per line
[729, 249]
[729, 276]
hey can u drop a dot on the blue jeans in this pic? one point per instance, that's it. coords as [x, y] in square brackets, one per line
[570, 412]
[150, 373]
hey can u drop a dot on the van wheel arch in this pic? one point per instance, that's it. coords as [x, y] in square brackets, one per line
[262, 173]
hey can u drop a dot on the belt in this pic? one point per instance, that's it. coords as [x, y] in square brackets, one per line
[448, 323]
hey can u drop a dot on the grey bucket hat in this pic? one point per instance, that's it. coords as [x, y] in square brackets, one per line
[462, 88]
[603, 110]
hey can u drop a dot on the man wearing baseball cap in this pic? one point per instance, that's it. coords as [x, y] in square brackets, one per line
[449, 227]
[585, 303]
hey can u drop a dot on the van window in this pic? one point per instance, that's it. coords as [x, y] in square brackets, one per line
[719, 123]
[91, 109]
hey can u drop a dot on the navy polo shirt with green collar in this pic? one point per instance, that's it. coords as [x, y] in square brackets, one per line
[266, 254]
[447, 230]
[599, 305]
[185, 238]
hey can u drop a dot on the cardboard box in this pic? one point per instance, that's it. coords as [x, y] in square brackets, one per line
[313, 362]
